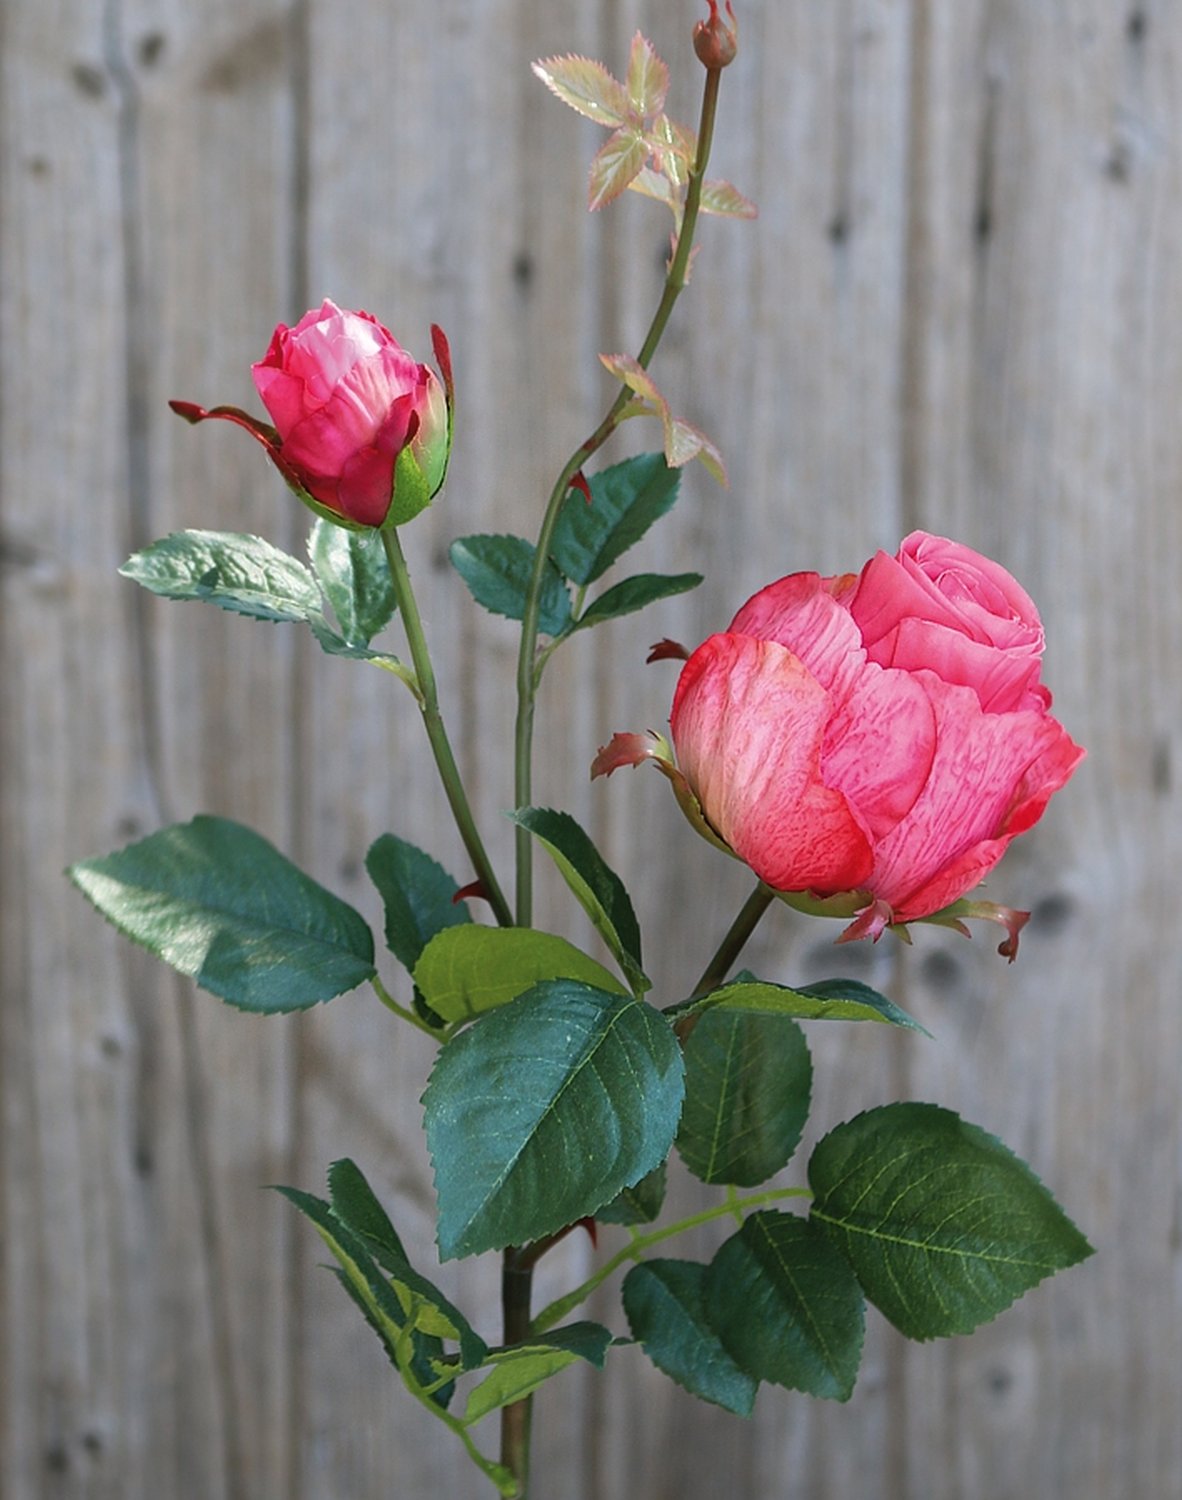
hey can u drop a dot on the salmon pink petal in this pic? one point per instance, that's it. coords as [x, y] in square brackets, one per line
[1003, 680]
[748, 724]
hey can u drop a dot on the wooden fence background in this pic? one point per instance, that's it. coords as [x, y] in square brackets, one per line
[961, 309]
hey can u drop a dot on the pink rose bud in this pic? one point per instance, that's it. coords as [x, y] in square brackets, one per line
[362, 431]
[871, 744]
[716, 41]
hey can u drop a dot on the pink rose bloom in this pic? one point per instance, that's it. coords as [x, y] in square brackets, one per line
[362, 431]
[878, 738]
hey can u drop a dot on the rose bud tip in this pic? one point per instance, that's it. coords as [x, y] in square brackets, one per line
[715, 42]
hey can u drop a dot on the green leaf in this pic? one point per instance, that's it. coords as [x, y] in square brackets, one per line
[465, 971]
[597, 888]
[423, 1305]
[747, 1084]
[355, 577]
[497, 570]
[942, 1224]
[540, 1112]
[222, 905]
[828, 1000]
[418, 895]
[426, 1350]
[635, 593]
[665, 1302]
[787, 1307]
[336, 645]
[638, 1204]
[230, 569]
[521, 1369]
[625, 501]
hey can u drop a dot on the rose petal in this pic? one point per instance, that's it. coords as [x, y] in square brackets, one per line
[748, 724]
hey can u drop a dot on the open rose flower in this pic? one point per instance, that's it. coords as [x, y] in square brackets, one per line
[362, 431]
[870, 744]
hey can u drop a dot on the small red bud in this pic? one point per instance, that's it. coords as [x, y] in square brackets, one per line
[715, 41]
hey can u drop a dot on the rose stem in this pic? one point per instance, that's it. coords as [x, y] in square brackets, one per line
[728, 950]
[515, 1419]
[449, 772]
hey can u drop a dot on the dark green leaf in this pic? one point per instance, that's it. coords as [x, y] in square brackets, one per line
[236, 572]
[635, 593]
[423, 1305]
[943, 1225]
[748, 1078]
[665, 1301]
[418, 895]
[336, 645]
[625, 501]
[598, 889]
[828, 1000]
[639, 1204]
[497, 571]
[355, 577]
[521, 1369]
[540, 1112]
[426, 1349]
[465, 971]
[222, 905]
[787, 1307]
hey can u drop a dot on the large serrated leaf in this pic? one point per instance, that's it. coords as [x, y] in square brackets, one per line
[540, 1112]
[235, 571]
[625, 501]
[748, 1080]
[787, 1307]
[943, 1225]
[418, 895]
[596, 887]
[497, 570]
[827, 1000]
[627, 597]
[519, 1370]
[355, 576]
[222, 905]
[466, 971]
[665, 1302]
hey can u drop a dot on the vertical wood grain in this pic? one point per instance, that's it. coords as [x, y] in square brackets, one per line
[961, 308]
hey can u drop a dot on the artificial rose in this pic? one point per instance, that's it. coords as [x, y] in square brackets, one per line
[870, 744]
[362, 431]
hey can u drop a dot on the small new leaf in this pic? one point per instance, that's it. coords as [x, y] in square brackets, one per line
[616, 165]
[587, 87]
[943, 1225]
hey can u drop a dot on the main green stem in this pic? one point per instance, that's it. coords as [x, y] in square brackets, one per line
[449, 772]
[526, 676]
[516, 1280]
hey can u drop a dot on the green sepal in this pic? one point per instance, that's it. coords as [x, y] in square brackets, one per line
[943, 1225]
[221, 905]
[596, 887]
[668, 1312]
[541, 1111]
[748, 1080]
[411, 493]
[787, 1306]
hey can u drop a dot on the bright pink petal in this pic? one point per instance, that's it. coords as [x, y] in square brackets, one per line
[1003, 680]
[282, 394]
[366, 485]
[748, 724]
[991, 778]
[881, 737]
